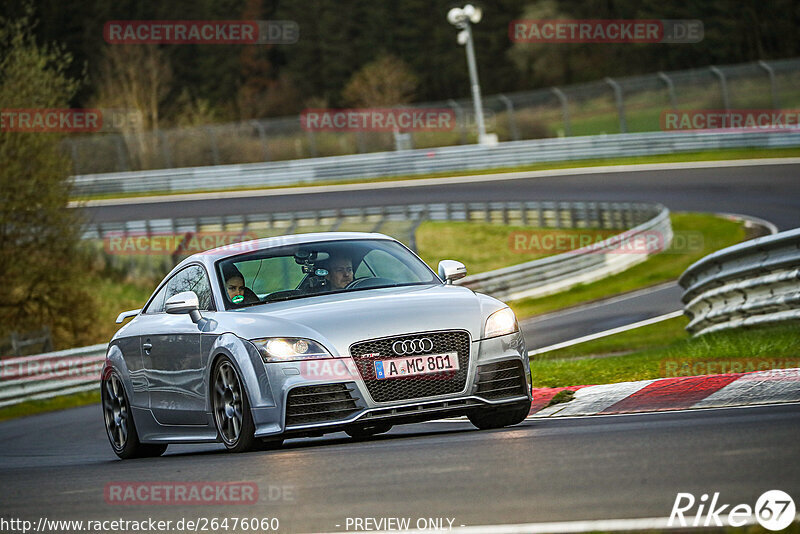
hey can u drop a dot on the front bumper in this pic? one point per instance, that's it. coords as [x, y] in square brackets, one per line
[407, 413]
[330, 395]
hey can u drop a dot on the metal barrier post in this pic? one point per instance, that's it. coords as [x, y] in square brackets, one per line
[412, 238]
[673, 101]
[623, 126]
[120, 152]
[312, 143]
[377, 227]
[772, 87]
[459, 119]
[562, 98]
[214, 149]
[262, 135]
[164, 148]
[360, 144]
[512, 122]
[74, 152]
[723, 84]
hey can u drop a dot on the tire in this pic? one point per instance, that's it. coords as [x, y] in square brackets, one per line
[361, 432]
[493, 418]
[231, 408]
[119, 423]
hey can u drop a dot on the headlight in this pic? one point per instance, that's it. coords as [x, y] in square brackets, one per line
[500, 323]
[287, 349]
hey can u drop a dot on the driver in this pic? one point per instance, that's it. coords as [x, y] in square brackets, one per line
[340, 272]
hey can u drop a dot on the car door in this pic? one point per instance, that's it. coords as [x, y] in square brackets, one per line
[173, 365]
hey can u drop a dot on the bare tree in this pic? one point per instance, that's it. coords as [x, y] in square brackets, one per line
[136, 79]
[547, 63]
[387, 81]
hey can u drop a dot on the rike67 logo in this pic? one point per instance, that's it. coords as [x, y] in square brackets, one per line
[774, 510]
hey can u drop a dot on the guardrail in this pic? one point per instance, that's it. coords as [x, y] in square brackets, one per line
[52, 374]
[21, 344]
[402, 221]
[423, 161]
[539, 214]
[588, 264]
[753, 283]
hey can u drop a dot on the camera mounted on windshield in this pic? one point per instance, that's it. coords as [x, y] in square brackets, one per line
[307, 260]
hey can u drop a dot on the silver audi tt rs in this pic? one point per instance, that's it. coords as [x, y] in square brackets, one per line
[300, 335]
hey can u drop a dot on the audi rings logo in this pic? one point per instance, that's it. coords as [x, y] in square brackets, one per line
[412, 346]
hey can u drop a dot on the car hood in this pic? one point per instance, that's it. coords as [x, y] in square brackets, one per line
[339, 320]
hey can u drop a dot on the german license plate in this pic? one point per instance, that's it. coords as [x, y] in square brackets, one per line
[416, 365]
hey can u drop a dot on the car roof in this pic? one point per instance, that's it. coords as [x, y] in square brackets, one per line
[209, 257]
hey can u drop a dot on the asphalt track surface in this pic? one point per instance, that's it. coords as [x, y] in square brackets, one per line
[603, 467]
[545, 330]
[771, 192]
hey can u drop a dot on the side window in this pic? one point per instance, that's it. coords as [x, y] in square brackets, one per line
[387, 266]
[157, 304]
[191, 279]
[363, 271]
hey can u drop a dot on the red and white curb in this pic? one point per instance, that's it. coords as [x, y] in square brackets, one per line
[679, 393]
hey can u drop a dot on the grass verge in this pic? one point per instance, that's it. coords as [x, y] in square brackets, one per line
[711, 155]
[49, 405]
[661, 350]
[480, 246]
[652, 336]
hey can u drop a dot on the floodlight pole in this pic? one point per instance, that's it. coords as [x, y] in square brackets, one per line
[476, 87]
[463, 23]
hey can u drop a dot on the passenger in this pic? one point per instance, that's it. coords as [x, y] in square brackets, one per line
[238, 293]
[340, 272]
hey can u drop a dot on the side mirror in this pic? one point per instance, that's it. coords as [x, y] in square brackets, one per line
[451, 270]
[124, 315]
[185, 302]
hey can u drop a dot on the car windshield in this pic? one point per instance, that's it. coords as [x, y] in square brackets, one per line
[310, 269]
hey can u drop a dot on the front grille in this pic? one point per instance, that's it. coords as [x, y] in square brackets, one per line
[401, 388]
[316, 404]
[501, 380]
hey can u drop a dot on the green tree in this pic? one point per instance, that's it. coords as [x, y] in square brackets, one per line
[43, 279]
